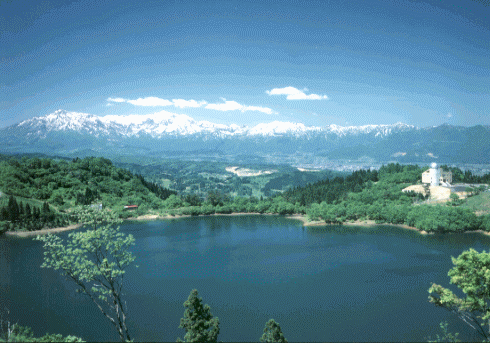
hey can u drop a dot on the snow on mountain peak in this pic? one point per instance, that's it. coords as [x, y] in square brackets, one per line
[379, 130]
[153, 124]
[62, 120]
[166, 123]
[277, 127]
[138, 119]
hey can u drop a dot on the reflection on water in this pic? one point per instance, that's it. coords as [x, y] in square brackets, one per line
[330, 283]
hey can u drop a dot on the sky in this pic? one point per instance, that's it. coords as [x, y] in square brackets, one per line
[423, 63]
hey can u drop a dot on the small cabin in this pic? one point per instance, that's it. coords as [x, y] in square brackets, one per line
[130, 207]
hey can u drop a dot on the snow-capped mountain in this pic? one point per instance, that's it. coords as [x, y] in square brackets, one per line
[276, 128]
[65, 121]
[166, 123]
[160, 124]
[168, 134]
[379, 130]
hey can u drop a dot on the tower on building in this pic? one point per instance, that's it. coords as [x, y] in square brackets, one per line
[435, 176]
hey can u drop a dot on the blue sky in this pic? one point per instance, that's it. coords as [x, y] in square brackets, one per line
[315, 62]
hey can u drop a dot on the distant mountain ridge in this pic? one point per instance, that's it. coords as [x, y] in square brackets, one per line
[168, 134]
[164, 123]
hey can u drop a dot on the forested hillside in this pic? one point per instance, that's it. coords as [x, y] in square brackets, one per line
[199, 178]
[41, 192]
[330, 190]
[34, 187]
[363, 195]
[384, 202]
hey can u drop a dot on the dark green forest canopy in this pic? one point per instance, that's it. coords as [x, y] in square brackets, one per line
[65, 184]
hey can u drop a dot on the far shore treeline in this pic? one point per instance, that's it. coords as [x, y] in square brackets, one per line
[39, 193]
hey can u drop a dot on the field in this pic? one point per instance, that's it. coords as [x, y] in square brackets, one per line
[480, 204]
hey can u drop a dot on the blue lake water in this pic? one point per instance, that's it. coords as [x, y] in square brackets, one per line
[328, 283]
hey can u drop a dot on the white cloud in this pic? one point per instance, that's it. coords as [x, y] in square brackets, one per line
[150, 101]
[109, 104]
[226, 106]
[295, 94]
[235, 106]
[181, 103]
[155, 101]
[259, 109]
[449, 115]
[116, 99]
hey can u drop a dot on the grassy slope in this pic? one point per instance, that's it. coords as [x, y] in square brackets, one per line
[479, 204]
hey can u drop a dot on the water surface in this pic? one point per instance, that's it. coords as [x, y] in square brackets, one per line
[329, 283]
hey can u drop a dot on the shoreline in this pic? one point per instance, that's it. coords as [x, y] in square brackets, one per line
[42, 232]
[139, 218]
[300, 217]
[363, 223]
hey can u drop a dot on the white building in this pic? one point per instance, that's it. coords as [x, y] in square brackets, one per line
[436, 176]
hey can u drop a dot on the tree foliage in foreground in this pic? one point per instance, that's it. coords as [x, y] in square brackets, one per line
[96, 261]
[198, 321]
[17, 333]
[471, 273]
[273, 333]
[448, 337]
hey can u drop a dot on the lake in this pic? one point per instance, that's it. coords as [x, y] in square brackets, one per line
[328, 283]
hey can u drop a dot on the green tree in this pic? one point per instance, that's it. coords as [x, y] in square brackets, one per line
[216, 198]
[13, 209]
[455, 200]
[193, 200]
[28, 212]
[273, 333]
[198, 322]
[96, 261]
[485, 222]
[471, 274]
[16, 333]
[448, 337]
[173, 201]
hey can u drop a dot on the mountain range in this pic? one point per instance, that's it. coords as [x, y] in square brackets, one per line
[167, 134]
